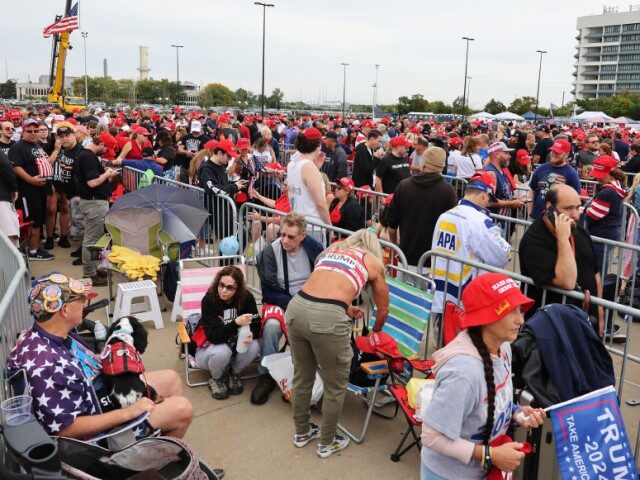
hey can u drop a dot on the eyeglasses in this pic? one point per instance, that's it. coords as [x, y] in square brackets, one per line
[43, 130]
[31, 131]
[229, 288]
[9, 129]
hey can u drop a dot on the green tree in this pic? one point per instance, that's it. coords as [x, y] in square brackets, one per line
[8, 89]
[565, 111]
[275, 99]
[494, 107]
[522, 105]
[439, 107]
[456, 107]
[245, 97]
[215, 94]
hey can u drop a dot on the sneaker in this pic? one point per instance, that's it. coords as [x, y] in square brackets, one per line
[262, 390]
[77, 253]
[218, 389]
[64, 242]
[77, 261]
[102, 273]
[235, 384]
[98, 281]
[339, 443]
[301, 440]
[48, 244]
[40, 256]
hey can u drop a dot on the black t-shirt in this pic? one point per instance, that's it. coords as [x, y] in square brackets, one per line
[392, 170]
[194, 144]
[169, 153]
[542, 148]
[35, 161]
[633, 165]
[63, 168]
[87, 167]
[538, 255]
[4, 147]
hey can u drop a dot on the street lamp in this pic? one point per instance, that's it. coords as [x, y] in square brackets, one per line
[86, 82]
[264, 16]
[466, 64]
[344, 86]
[375, 92]
[469, 89]
[178, 47]
[535, 118]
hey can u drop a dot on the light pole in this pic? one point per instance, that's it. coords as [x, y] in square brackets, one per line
[469, 88]
[344, 86]
[466, 64]
[375, 92]
[535, 118]
[86, 81]
[264, 24]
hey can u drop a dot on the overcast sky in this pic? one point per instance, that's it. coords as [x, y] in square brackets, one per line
[416, 42]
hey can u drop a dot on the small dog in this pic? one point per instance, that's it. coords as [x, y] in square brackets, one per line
[122, 364]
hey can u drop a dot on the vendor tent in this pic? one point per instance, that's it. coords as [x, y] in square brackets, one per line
[486, 115]
[592, 117]
[623, 120]
[508, 116]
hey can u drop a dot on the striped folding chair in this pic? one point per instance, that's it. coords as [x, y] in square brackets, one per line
[407, 322]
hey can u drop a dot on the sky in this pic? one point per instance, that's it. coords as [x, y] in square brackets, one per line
[417, 43]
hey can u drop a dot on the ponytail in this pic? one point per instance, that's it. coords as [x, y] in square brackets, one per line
[476, 337]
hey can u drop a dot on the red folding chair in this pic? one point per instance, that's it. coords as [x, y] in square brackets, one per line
[451, 321]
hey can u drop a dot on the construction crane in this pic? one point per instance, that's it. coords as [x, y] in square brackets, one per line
[57, 93]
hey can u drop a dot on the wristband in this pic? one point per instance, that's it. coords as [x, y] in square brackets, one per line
[486, 464]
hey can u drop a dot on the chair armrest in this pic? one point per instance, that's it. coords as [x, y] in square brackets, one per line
[102, 244]
[182, 333]
[170, 247]
[375, 368]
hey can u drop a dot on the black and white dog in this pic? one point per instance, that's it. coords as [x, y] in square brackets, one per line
[122, 364]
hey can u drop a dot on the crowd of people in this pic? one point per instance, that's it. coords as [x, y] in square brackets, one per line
[63, 174]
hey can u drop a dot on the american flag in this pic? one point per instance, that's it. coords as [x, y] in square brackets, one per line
[67, 23]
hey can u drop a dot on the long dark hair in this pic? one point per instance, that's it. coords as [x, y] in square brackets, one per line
[241, 292]
[476, 337]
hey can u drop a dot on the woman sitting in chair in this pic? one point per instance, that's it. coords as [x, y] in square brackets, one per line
[472, 399]
[227, 306]
[70, 397]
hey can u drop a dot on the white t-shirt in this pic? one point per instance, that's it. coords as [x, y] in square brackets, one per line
[467, 166]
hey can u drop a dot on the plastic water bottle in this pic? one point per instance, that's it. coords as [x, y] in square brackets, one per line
[243, 332]
[100, 334]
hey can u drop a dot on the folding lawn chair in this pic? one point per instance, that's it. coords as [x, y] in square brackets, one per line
[409, 312]
[451, 325]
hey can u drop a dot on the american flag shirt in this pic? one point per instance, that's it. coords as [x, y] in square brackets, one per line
[59, 385]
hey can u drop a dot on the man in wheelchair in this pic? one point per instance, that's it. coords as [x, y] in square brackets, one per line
[64, 377]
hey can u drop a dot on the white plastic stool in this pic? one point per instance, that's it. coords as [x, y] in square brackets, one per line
[146, 310]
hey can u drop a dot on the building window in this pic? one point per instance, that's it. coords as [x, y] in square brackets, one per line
[611, 28]
[631, 27]
[629, 48]
[608, 68]
[614, 39]
[609, 58]
[630, 56]
[609, 49]
[609, 76]
[605, 87]
[628, 66]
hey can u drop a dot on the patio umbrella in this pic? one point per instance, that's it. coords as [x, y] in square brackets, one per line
[182, 211]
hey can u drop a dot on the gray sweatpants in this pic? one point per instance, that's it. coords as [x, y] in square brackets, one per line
[94, 212]
[319, 335]
[217, 357]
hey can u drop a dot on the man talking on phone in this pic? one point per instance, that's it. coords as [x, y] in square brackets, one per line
[556, 251]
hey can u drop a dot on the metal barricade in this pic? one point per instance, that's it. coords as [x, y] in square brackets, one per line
[460, 184]
[131, 178]
[286, 151]
[589, 186]
[14, 309]
[623, 311]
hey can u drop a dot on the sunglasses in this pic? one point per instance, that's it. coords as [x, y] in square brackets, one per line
[31, 131]
[229, 288]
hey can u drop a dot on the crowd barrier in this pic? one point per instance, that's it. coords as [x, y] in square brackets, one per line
[626, 313]
[14, 309]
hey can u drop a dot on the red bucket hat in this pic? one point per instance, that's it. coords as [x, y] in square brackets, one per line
[489, 297]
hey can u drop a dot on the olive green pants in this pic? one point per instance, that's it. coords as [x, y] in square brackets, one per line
[319, 334]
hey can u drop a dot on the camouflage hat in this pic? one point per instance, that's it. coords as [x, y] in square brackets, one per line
[49, 293]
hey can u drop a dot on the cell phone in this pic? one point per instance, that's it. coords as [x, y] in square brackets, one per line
[549, 214]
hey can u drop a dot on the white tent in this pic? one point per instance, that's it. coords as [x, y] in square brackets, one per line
[593, 117]
[508, 116]
[486, 115]
[623, 120]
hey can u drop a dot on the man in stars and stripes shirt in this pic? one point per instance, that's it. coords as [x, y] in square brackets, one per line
[64, 378]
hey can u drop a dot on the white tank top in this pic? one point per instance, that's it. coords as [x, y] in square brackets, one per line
[299, 195]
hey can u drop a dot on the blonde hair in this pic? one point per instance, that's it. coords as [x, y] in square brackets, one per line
[195, 162]
[470, 145]
[363, 239]
[632, 189]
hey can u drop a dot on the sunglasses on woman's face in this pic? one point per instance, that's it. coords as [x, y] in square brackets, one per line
[229, 288]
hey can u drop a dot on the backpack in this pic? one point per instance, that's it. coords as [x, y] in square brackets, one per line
[164, 457]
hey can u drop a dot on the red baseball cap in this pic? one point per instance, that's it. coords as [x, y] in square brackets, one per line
[561, 146]
[523, 157]
[312, 134]
[274, 166]
[602, 166]
[489, 297]
[108, 140]
[347, 183]
[211, 145]
[368, 123]
[377, 342]
[14, 114]
[485, 182]
[243, 143]
[228, 147]
[223, 118]
[72, 121]
[455, 141]
[400, 141]
[141, 131]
